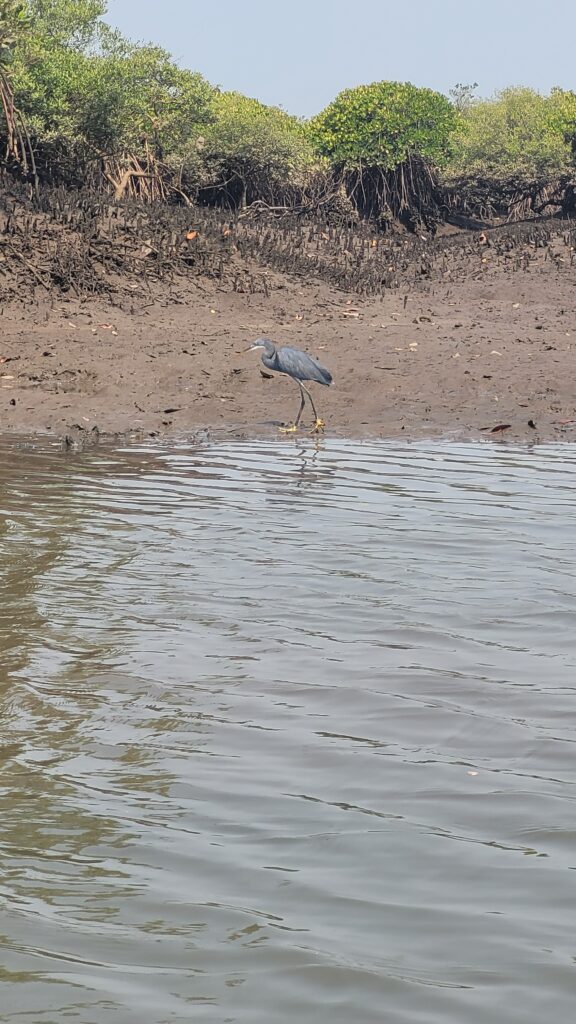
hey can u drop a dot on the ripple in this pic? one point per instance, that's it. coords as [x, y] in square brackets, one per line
[287, 729]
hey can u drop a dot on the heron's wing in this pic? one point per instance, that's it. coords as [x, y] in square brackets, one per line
[301, 366]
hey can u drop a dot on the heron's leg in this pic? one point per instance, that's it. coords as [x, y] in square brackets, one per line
[318, 424]
[294, 426]
[302, 403]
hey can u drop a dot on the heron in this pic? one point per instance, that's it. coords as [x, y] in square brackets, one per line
[300, 367]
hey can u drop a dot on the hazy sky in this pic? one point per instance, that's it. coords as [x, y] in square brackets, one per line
[299, 54]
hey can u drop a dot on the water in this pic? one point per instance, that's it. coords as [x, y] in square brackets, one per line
[288, 734]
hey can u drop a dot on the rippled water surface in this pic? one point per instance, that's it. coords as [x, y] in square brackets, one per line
[288, 734]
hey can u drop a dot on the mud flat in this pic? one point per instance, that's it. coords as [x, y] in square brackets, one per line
[486, 340]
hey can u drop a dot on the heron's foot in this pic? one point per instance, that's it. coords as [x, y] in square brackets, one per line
[290, 429]
[318, 425]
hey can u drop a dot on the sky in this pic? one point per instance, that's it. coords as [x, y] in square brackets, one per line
[300, 54]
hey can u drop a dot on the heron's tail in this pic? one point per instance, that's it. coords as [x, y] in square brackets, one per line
[325, 375]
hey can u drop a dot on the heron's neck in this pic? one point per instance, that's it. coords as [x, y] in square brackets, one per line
[270, 361]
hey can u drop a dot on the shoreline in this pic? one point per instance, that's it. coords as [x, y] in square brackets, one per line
[77, 441]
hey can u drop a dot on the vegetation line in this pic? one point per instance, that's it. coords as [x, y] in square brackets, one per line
[83, 106]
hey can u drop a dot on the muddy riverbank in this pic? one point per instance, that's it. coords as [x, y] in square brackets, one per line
[489, 345]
